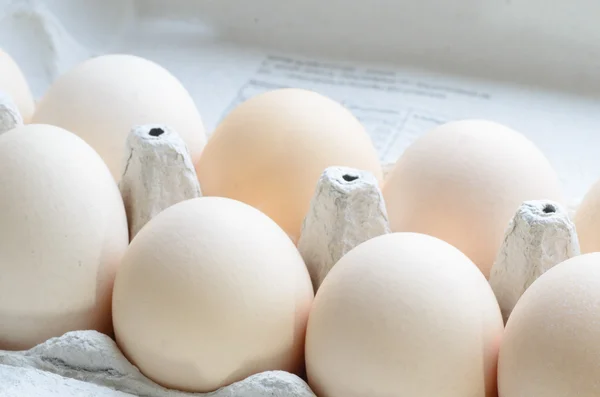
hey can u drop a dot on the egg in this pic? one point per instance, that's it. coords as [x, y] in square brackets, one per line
[210, 292]
[550, 346]
[270, 151]
[63, 232]
[463, 181]
[103, 98]
[13, 83]
[404, 314]
[587, 220]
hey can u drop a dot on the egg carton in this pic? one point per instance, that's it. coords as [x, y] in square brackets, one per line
[89, 363]
[347, 209]
[10, 117]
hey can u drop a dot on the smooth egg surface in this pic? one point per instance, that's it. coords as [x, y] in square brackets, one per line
[63, 232]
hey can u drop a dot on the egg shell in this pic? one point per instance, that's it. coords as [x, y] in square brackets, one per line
[551, 345]
[63, 232]
[13, 83]
[404, 314]
[587, 220]
[270, 151]
[463, 181]
[210, 292]
[103, 98]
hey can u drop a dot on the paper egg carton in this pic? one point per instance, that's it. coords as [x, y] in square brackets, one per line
[89, 363]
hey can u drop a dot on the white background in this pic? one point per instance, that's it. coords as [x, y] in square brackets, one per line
[530, 64]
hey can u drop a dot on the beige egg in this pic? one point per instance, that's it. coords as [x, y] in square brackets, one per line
[210, 292]
[587, 220]
[270, 151]
[103, 98]
[463, 181]
[404, 314]
[551, 344]
[63, 232]
[13, 83]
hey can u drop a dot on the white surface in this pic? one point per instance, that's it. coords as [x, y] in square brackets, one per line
[88, 363]
[225, 51]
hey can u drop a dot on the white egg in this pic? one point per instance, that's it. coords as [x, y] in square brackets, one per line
[463, 181]
[63, 232]
[103, 98]
[550, 346]
[587, 220]
[211, 291]
[14, 84]
[271, 150]
[404, 314]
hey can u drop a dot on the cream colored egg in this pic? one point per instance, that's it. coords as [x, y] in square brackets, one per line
[63, 232]
[103, 98]
[463, 181]
[551, 346]
[270, 151]
[210, 292]
[404, 314]
[587, 220]
[13, 83]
